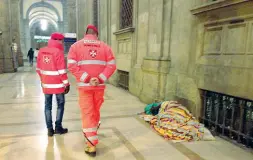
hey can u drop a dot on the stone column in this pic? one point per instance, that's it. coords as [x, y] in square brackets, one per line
[2, 31]
[80, 16]
[65, 16]
[16, 30]
[71, 10]
[155, 65]
[1, 50]
[8, 57]
[27, 37]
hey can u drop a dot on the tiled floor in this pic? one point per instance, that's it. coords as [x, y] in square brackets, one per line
[122, 135]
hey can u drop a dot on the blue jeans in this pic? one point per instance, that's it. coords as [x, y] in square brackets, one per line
[60, 110]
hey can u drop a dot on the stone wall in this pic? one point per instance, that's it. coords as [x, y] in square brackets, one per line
[175, 48]
[10, 59]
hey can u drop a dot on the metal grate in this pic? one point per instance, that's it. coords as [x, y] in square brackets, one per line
[126, 14]
[95, 12]
[123, 79]
[229, 117]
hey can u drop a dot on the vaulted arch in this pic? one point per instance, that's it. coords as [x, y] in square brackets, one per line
[44, 5]
[38, 18]
[43, 12]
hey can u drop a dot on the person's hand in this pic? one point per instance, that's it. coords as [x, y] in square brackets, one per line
[94, 81]
[67, 88]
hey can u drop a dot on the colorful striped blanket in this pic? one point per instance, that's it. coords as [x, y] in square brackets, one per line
[175, 122]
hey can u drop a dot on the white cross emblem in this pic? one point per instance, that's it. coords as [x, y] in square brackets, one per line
[46, 59]
[93, 53]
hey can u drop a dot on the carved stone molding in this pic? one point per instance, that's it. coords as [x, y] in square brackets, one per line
[216, 5]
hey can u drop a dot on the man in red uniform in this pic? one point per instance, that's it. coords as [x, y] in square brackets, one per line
[91, 62]
[54, 80]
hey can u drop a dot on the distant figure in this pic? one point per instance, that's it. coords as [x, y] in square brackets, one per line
[30, 55]
[36, 53]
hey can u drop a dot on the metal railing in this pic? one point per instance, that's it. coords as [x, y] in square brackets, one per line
[126, 14]
[123, 79]
[229, 117]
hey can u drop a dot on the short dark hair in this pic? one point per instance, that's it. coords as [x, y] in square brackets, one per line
[91, 31]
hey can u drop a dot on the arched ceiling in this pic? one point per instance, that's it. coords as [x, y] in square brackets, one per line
[39, 18]
[38, 10]
[45, 12]
[54, 5]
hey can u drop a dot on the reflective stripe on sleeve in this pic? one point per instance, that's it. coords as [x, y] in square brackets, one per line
[62, 71]
[65, 81]
[103, 77]
[84, 76]
[111, 62]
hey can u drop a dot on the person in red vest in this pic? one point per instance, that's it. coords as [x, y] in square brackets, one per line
[51, 68]
[92, 63]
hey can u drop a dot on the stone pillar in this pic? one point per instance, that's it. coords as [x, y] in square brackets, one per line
[71, 10]
[155, 65]
[10, 51]
[80, 16]
[2, 31]
[6, 23]
[1, 49]
[65, 16]
[27, 37]
[16, 31]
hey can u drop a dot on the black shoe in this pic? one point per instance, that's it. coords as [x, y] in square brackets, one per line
[61, 130]
[50, 132]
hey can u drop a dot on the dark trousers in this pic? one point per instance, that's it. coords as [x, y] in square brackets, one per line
[60, 110]
[31, 61]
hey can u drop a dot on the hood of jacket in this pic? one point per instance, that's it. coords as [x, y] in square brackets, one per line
[55, 44]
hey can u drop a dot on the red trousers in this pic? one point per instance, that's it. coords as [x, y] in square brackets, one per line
[90, 102]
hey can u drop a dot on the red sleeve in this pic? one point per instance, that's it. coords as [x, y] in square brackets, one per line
[61, 67]
[74, 68]
[110, 65]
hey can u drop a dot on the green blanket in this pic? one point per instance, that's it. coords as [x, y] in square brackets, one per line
[149, 106]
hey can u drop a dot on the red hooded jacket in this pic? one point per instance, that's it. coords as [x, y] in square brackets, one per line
[51, 68]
